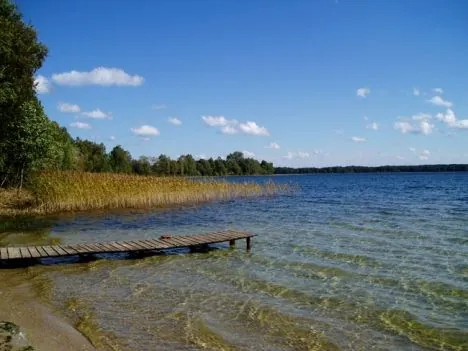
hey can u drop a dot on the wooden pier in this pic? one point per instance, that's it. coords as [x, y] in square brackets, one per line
[164, 242]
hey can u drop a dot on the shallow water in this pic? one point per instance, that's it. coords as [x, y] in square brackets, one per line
[348, 262]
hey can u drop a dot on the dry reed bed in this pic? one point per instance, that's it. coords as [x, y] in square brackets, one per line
[55, 192]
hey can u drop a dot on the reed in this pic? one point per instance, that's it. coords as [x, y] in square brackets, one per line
[54, 192]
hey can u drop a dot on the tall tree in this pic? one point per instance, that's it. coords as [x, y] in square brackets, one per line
[24, 127]
[120, 160]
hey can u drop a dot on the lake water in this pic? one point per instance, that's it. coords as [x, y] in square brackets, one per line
[347, 262]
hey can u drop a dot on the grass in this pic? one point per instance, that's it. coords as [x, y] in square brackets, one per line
[55, 192]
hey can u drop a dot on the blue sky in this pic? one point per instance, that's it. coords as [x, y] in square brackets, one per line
[299, 83]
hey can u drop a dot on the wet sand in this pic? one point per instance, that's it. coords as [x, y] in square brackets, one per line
[45, 330]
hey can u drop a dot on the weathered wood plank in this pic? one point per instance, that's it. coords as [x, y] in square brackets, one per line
[41, 250]
[69, 250]
[106, 248]
[13, 252]
[160, 244]
[117, 246]
[33, 251]
[59, 250]
[24, 252]
[139, 245]
[3, 253]
[51, 252]
[144, 244]
[127, 246]
[176, 241]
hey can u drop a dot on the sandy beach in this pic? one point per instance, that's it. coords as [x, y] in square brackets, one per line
[44, 329]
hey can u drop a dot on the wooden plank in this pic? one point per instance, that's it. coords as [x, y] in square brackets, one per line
[13, 252]
[24, 252]
[212, 238]
[117, 246]
[94, 248]
[190, 241]
[106, 248]
[51, 252]
[144, 244]
[127, 246]
[59, 250]
[139, 244]
[79, 249]
[160, 243]
[151, 245]
[4, 253]
[177, 242]
[69, 250]
[41, 250]
[33, 251]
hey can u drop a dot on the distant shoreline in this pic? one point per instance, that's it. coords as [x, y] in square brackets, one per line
[437, 168]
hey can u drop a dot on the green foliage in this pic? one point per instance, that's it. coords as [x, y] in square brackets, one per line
[92, 157]
[120, 160]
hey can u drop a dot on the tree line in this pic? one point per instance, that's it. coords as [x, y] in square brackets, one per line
[92, 157]
[376, 169]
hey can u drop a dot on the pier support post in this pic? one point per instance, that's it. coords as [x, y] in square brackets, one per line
[232, 243]
[248, 244]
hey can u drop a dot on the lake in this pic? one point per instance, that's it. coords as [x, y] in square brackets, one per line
[346, 262]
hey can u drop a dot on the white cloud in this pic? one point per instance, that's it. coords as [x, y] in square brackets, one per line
[248, 153]
[358, 139]
[421, 117]
[373, 126]
[98, 114]
[80, 125]
[232, 126]
[424, 155]
[158, 107]
[253, 128]
[217, 121]
[290, 155]
[363, 92]
[438, 90]
[175, 121]
[145, 139]
[272, 146]
[42, 85]
[450, 120]
[418, 124]
[439, 101]
[400, 157]
[339, 131]
[68, 108]
[112, 138]
[425, 127]
[201, 157]
[145, 131]
[416, 92]
[303, 154]
[99, 76]
[229, 130]
[412, 149]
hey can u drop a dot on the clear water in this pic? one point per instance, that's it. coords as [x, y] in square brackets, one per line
[348, 262]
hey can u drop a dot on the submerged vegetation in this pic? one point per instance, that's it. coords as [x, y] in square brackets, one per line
[54, 192]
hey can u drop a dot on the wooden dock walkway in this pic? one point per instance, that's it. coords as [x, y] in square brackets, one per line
[162, 243]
